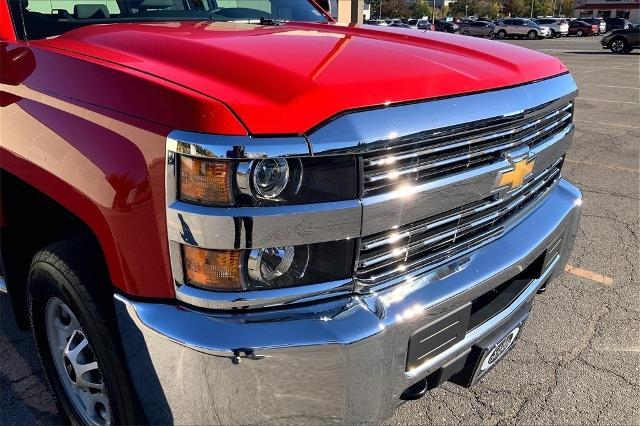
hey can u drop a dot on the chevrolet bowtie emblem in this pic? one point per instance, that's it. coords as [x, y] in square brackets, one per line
[516, 177]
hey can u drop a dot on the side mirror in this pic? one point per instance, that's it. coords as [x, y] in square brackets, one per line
[16, 65]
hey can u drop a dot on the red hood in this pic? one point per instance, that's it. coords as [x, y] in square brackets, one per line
[287, 79]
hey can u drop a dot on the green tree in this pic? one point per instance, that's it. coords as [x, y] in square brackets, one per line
[480, 8]
[422, 8]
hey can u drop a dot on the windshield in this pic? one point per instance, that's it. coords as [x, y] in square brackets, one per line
[36, 19]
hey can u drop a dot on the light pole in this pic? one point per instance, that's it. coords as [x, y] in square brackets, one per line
[433, 18]
[532, 1]
[466, 10]
[380, 14]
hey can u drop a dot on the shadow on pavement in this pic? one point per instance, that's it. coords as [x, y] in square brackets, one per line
[24, 394]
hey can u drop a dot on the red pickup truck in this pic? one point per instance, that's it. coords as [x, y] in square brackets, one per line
[218, 211]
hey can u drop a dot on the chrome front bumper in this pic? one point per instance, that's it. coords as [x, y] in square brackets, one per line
[334, 361]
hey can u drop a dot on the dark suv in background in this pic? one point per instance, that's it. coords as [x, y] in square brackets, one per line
[616, 24]
[445, 26]
[622, 41]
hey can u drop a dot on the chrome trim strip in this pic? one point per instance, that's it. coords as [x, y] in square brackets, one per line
[423, 265]
[368, 130]
[261, 298]
[373, 177]
[236, 147]
[413, 203]
[3, 286]
[260, 227]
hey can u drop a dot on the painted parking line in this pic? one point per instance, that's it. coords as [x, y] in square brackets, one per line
[607, 100]
[611, 87]
[602, 123]
[604, 166]
[618, 68]
[590, 275]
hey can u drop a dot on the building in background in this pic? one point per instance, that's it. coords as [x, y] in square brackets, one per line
[629, 9]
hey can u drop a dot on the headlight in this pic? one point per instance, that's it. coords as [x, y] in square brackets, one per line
[270, 177]
[270, 181]
[267, 268]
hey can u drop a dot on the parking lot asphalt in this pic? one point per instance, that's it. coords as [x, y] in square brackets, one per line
[578, 360]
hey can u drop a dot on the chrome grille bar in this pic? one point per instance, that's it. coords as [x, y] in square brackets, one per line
[383, 256]
[427, 159]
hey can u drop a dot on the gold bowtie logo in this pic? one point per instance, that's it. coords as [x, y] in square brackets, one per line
[516, 177]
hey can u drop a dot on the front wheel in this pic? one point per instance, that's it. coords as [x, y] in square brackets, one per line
[73, 323]
[502, 34]
[553, 34]
[619, 45]
[532, 35]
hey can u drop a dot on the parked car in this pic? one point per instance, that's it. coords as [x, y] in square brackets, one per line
[602, 25]
[518, 27]
[413, 23]
[208, 216]
[398, 24]
[376, 22]
[622, 41]
[582, 29]
[477, 28]
[617, 24]
[558, 26]
[445, 26]
[423, 24]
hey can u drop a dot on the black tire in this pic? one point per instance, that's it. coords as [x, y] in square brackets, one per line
[466, 33]
[532, 35]
[502, 34]
[579, 33]
[619, 45]
[73, 272]
[553, 34]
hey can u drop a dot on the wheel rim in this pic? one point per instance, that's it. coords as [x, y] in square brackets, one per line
[532, 35]
[617, 46]
[501, 34]
[76, 364]
[579, 33]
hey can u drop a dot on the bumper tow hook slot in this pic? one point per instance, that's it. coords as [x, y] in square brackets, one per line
[415, 391]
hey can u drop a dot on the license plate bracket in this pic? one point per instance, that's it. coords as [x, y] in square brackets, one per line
[495, 351]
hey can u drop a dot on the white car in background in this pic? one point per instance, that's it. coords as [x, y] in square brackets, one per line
[557, 26]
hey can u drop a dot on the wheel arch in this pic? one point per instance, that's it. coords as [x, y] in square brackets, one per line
[31, 220]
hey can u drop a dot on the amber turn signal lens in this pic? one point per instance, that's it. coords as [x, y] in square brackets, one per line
[205, 181]
[212, 269]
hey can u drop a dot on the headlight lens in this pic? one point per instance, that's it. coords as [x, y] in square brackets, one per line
[270, 177]
[268, 268]
[268, 265]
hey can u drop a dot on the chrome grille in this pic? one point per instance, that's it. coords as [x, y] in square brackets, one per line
[452, 233]
[449, 151]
